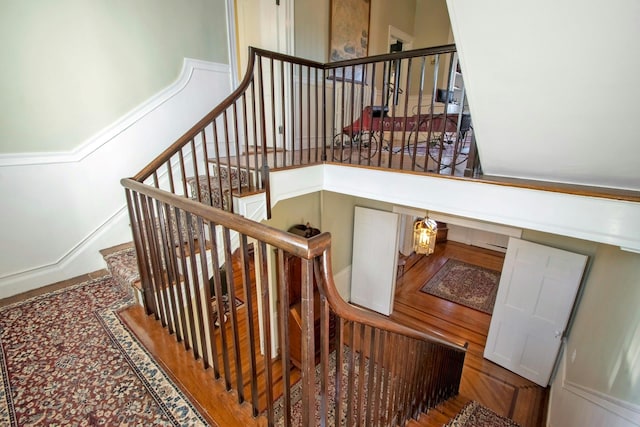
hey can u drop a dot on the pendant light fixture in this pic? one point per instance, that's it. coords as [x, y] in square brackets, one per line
[424, 236]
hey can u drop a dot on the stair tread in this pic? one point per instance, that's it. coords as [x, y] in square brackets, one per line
[442, 413]
[123, 265]
[116, 248]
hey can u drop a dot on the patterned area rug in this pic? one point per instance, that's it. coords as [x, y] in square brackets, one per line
[465, 284]
[347, 374]
[474, 414]
[66, 359]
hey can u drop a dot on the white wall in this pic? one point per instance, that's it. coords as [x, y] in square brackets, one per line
[60, 209]
[550, 87]
[609, 221]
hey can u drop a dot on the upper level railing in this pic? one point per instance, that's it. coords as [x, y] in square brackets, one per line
[218, 283]
[401, 111]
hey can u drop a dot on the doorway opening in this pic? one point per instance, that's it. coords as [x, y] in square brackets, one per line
[511, 295]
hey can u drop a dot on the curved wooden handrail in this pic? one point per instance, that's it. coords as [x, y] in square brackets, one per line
[181, 204]
[356, 314]
[296, 245]
[307, 248]
[195, 129]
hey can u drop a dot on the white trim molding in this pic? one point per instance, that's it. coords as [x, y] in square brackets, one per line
[510, 207]
[626, 410]
[232, 42]
[103, 137]
[62, 208]
[572, 404]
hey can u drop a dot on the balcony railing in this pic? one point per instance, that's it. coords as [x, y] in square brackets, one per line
[405, 111]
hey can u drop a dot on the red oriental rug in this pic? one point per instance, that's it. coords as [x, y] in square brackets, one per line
[67, 359]
[474, 414]
[465, 284]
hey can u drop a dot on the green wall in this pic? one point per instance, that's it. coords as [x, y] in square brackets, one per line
[328, 211]
[70, 68]
[297, 210]
[312, 30]
[400, 14]
[605, 335]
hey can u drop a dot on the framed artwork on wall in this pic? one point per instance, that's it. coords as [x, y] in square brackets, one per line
[349, 34]
[349, 29]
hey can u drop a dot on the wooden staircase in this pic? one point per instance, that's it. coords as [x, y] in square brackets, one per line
[209, 395]
[200, 384]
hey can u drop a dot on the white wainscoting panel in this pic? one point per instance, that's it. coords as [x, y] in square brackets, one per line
[60, 209]
[571, 405]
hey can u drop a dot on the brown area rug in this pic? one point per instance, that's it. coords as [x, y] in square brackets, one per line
[474, 414]
[465, 284]
[67, 359]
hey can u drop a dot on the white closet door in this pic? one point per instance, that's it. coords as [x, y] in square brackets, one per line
[537, 290]
[374, 260]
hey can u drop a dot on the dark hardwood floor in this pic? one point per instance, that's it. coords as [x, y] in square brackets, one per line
[499, 389]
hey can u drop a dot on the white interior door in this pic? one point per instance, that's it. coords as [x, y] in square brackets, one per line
[374, 260]
[537, 290]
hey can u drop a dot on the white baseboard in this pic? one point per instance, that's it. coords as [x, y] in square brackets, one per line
[615, 406]
[82, 258]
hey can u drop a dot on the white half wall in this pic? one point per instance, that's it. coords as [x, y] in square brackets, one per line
[60, 209]
[610, 221]
[614, 222]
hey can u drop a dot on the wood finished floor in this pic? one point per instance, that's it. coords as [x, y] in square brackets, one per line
[497, 388]
[502, 391]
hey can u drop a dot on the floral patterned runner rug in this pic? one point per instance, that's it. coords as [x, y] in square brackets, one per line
[465, 284]
[474, 414]
[66, 359]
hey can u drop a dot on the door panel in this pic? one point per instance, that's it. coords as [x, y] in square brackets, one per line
[374, 260]
[537, 290]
